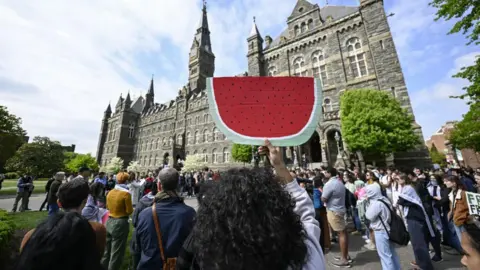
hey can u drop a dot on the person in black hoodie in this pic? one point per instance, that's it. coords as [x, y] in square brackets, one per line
[144, 203]
[186, 257]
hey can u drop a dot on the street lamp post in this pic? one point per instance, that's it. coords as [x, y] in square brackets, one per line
[253, 155]
[337, 138]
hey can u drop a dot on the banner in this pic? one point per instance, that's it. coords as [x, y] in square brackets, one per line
[473, 201]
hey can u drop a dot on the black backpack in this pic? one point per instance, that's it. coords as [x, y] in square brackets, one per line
[398, 231]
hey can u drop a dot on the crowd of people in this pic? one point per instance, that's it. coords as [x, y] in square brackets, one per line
[259, 218]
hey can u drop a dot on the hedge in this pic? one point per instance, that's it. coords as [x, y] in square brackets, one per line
[12, 175]
[7, 229]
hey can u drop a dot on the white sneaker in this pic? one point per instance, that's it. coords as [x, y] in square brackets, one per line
[364, 237]
[367, 241]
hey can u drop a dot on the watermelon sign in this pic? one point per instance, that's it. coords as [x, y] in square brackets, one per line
[286, 110]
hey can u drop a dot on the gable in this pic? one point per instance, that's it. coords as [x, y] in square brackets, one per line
[301, 7]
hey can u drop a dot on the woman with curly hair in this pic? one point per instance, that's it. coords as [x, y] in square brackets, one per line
[253, 219]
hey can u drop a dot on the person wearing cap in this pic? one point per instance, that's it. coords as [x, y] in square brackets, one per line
[83, 173]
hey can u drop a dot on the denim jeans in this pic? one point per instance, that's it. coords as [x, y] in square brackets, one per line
[356, 219]
[52, 209]
[449, 234]
[458, 230]
[418, 237]
[386, 251]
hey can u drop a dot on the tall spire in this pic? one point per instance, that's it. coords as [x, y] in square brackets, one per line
[202, 35]
[203, 23]
[150, 90]
[254, 31]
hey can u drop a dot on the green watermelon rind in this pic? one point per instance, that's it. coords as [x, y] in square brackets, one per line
[291, 140]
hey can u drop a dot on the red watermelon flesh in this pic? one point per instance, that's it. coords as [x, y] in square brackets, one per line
[264, 106]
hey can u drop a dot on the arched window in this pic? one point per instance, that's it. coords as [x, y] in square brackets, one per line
[299, 67]
[115, 127]
[304, 27]
[150, 160]
[272, 71]
[205, 118]
[170, 141]
[216, 134]
[195, 152]
[214, 155]
[196, 138]
[156, 143]
[226, 155]
[144, 160]
[155, 160]
[205, 155]
[179, 139]
[319, 67]
[310, 24]
[297, 30]
[205, 136]
[131, 130]
[327, 105]
[356, 57]
[164, 142]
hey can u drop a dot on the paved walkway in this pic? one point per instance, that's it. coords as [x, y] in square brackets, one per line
[363, 258]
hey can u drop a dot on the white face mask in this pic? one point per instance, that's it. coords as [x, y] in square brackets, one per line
[448, 184]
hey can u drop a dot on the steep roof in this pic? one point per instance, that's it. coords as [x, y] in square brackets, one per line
[336, 12]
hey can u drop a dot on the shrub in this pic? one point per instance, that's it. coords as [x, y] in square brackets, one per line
[7, 229]
[11, 175]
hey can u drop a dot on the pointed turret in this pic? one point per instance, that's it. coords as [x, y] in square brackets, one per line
[254, 32]
[128, 102]
[202, 59]
[108, 111]
[118, 107]
[255, 51]
[149, 97]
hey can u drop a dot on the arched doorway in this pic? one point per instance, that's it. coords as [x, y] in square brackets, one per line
[166, 159]
[333, 146]
[315, 148]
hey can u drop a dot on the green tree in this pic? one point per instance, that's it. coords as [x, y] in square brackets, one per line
[42, 157]
[242, 153]
[466, 13]
[374, 123]
[438, 157]
[81, 160]
[466, 133]
[11, 135]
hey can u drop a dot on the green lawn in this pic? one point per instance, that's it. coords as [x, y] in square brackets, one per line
[29, 220]
[9, 186]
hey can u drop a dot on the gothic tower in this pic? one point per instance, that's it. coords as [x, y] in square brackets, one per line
[255, 52]
[103, 133]
[149, 97]
[202, 60]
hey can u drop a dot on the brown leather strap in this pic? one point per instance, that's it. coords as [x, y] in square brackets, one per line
[159, 233]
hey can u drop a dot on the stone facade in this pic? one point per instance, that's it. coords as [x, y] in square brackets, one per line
[347, 47]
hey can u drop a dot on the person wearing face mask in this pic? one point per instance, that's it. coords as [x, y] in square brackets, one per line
[434, 191]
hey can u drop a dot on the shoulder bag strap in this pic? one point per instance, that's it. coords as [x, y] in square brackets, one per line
[158, 232]
[381, 220]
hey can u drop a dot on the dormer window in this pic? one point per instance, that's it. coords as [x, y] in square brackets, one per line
[300, 10]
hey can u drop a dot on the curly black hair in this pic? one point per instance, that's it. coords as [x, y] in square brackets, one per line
[247, 221]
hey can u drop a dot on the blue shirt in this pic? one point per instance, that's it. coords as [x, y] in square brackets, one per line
[317, 198]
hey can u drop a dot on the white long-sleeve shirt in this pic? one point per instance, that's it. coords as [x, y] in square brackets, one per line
[135, 190]
[304, 208]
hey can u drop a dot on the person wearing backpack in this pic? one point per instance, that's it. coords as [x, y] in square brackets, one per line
[380, 215]
[420, 227]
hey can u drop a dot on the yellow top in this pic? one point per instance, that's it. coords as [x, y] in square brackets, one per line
[119, 203]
